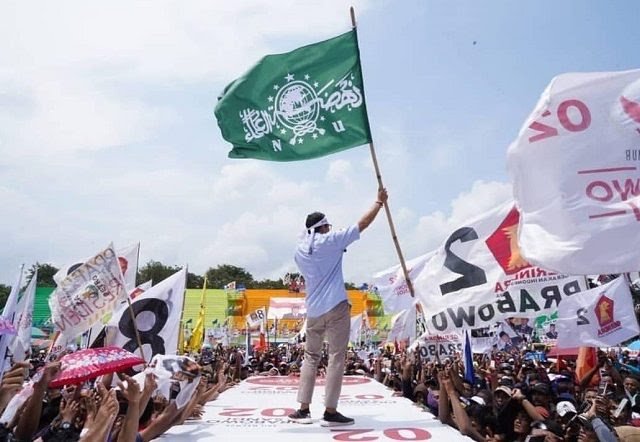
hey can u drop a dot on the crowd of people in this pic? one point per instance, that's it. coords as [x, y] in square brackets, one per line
[513, 396]
[113, 407]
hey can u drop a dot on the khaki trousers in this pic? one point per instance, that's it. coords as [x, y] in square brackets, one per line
[336, 324]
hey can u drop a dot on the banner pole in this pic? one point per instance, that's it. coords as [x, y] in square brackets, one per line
[135, 327]
[394, 236]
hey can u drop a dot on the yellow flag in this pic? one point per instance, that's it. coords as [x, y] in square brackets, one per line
[181, 339]
[197, 336]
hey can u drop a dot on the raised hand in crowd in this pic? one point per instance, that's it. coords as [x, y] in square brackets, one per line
[29, 419]
[12, 382]
[99, 427]
[132, 394]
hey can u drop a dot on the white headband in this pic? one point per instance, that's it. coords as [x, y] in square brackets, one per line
[322, 222]
[311, 233]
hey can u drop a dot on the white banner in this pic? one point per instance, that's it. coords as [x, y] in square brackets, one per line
[403, 326]
[157, 312]
[478, 277]
[177, 377]
[20, 348]
[600, 317]
[355, 335]
[575, 174]
[139, 290]
[87, 294]
[97, 328]
[287, 308]
[438, 347]
[392, 287]
[127, 259]
[257, 317]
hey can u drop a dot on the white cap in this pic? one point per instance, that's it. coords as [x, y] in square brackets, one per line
[564, 407]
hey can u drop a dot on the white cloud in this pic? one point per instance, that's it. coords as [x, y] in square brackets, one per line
[340, 173]
[107, 134]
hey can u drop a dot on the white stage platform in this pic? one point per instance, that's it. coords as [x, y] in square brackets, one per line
[257, 409]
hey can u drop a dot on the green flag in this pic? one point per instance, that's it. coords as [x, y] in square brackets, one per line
[296, 106]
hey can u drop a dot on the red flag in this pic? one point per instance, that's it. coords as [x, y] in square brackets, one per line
[587, 359]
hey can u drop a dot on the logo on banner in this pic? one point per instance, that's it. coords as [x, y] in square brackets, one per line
[604, 313]
[503, 244]
[298, 106]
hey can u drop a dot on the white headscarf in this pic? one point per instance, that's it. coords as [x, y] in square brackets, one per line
[307, 237]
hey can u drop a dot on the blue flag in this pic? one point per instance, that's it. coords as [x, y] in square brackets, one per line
[467, 353]
[248, 344]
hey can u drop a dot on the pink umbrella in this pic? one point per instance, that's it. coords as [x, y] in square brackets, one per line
[90, 363]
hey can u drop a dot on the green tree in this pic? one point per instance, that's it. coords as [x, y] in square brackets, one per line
[268, 284]
[224, 274]
[4, 294]
[156, 271]
[194, 281]
[45, 274]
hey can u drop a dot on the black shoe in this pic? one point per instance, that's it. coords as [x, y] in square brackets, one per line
[335, 419]
[301, 417]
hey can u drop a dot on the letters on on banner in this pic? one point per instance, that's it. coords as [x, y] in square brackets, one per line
[478, 277]
[157, 312]
[392, 287]
[575, 172]
[87, 294]
[257, 317]
[127, 260]
[601, 317]
[438, 347]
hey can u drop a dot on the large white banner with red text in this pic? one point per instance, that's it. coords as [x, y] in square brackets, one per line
[257, 409]
[575, 172]
[478, 277]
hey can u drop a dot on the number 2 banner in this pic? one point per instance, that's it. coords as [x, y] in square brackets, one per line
[478, 277]
[600, 317]
[575, 172]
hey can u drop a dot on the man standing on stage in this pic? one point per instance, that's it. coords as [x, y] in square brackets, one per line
[319, 258]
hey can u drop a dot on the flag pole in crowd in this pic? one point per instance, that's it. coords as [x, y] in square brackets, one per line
[197, 335]
[8, 313]
[135, 326]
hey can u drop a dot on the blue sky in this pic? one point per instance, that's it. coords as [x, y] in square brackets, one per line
[107, 130]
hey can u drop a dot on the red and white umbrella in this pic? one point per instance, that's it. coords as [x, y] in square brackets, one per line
[90, 363]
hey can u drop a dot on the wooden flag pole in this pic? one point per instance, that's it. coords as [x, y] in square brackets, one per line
[380, 186]
[135, 327]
